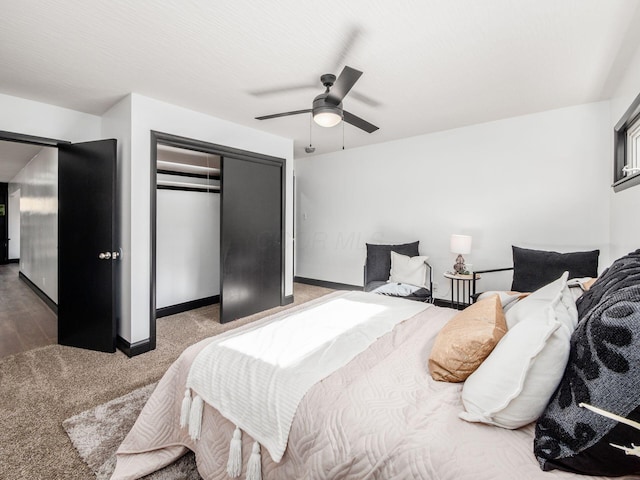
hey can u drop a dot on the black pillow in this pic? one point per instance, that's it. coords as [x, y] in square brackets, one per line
[603, 371]
[533, 269]
[379, 259]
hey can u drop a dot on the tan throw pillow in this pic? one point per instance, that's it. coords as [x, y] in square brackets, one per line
[588, 284]
[466, 340]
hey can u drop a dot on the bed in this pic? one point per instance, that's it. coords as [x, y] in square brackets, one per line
[381, 416]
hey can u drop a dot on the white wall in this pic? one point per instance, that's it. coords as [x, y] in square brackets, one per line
[625, 228]
[116, 123]
[149, 114]
[39, 254]
[14, 223]
[18, 115]
[38, 185]
[538, 181]
[187, 246]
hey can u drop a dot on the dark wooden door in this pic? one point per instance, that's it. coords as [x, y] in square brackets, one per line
[87, 234]
[251, 237]
[4, 223]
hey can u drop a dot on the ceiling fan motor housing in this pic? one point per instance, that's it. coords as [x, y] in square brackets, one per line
[321, 105]
[328, 79]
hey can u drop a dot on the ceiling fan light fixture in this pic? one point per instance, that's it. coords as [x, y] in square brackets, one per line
[327, 117]
[327, 108]
[326, 114]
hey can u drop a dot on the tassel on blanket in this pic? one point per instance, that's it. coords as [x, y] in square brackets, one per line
[186, 406]
[254, 467]
[234, 464]
[195, 417]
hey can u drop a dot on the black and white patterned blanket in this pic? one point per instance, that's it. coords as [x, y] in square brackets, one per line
[603, 371]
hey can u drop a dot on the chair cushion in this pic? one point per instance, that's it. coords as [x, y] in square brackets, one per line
[403, 290]
[379, 259]
[533, 269]
[603, 371]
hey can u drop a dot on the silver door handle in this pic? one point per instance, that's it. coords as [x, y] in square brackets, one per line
[115, 255]
[104, 255]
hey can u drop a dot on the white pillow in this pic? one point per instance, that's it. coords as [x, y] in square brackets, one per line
[512, 387]
[507, 299]
[529, 305]
[411, 270]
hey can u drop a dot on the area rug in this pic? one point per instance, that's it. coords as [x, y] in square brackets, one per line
[96, 434]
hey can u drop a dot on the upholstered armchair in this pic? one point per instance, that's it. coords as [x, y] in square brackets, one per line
[533, 269]
[410, 276]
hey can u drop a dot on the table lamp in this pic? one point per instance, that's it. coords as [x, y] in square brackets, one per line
[460, 244]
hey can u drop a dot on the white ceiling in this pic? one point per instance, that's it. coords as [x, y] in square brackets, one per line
[431, 64]
[13, 157]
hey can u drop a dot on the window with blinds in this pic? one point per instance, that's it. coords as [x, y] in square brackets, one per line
[626, 157]
[632, 163]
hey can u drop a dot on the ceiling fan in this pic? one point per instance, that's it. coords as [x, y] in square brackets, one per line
[327, 108]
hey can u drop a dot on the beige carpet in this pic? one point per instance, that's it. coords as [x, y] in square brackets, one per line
[40, 388]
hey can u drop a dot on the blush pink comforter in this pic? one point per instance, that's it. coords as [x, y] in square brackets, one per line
[379, 417]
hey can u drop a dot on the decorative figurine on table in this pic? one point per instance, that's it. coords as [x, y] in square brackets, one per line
[460, 244]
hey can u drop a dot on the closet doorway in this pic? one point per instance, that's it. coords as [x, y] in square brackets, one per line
[237, 228]
[187, 229]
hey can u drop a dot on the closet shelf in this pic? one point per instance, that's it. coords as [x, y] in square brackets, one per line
[183, 167]
[202, 186]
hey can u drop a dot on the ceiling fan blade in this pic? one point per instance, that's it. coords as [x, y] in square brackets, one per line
[367, 100]
[289, 88]
[285, 114]
[351, 39]
[359, 122]
[343, 84]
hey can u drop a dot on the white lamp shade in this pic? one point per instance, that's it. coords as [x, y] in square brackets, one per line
[461, 244]
[327, 119]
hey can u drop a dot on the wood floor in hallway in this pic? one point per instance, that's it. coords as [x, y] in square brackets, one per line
[26, 322]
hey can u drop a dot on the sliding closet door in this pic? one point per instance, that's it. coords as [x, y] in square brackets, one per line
[251, 237]
[4, 224]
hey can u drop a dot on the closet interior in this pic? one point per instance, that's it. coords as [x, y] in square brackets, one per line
[187, 229]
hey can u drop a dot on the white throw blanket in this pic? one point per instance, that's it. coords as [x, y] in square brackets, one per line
[257, 377]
